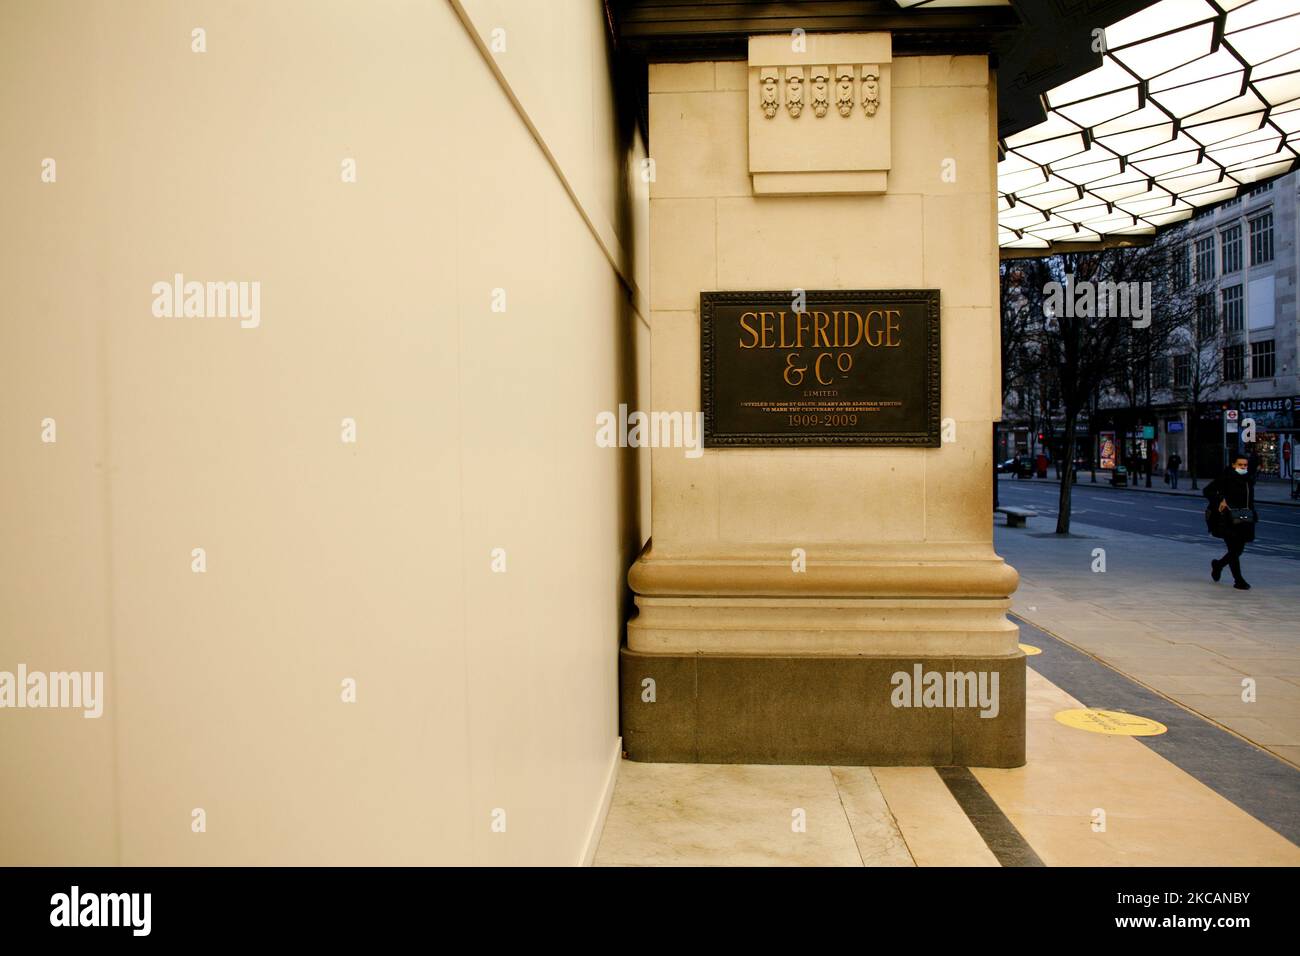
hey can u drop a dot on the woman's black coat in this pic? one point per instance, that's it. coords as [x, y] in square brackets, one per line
[1235, 489]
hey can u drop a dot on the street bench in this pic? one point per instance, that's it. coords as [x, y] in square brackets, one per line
[1016, 516]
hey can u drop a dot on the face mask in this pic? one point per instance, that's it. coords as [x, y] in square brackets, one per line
[1240, 471]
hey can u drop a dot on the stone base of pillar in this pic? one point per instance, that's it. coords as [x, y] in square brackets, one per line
[840, 711]
[903, 657]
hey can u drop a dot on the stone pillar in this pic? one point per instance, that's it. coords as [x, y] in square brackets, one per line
[735, 654]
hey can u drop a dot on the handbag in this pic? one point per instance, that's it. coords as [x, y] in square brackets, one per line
[1244, 517]
[1240, 522]
[1240, 517]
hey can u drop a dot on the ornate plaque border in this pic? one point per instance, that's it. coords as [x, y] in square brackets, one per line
[929, 438]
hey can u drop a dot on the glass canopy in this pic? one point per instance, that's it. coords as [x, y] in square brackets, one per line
[1194, 100]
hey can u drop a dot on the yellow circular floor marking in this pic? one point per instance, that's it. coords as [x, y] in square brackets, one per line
[1030, 650]
[1111, 722]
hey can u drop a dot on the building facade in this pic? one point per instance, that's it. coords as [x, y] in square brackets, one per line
[364, 581]
[1239, 261]
[1228, 377]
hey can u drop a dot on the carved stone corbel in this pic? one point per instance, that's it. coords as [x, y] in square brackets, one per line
[770, 98]
[821, 90]
[792, 154]
[794, 90]
[844, 89]
[871, 88]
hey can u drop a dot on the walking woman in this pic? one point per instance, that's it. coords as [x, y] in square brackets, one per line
[1230, 515]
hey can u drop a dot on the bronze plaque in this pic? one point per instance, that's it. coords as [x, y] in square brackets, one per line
[833, 368]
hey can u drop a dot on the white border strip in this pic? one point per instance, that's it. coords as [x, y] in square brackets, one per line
[602, 811]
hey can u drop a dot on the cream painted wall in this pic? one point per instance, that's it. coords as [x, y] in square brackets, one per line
[326, 560]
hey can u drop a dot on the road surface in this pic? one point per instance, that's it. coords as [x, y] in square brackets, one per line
[1164, 516]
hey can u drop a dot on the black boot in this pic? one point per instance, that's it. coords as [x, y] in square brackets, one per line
[1216, 569]
[1241, 585]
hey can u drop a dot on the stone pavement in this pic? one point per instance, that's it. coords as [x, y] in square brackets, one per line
[1153, 812]
[1272, 490]
[1155, 615]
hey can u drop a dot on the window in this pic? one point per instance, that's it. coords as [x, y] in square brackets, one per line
[1231, 202]
[1234, 363]
[1160, 373]
[1261, 189]
[1182, 268]
[1261, 359]
[1205, 319]
[1261, 239]
[1233, 313]
[1205, 258]
[1182, 370]
[1230, 249]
